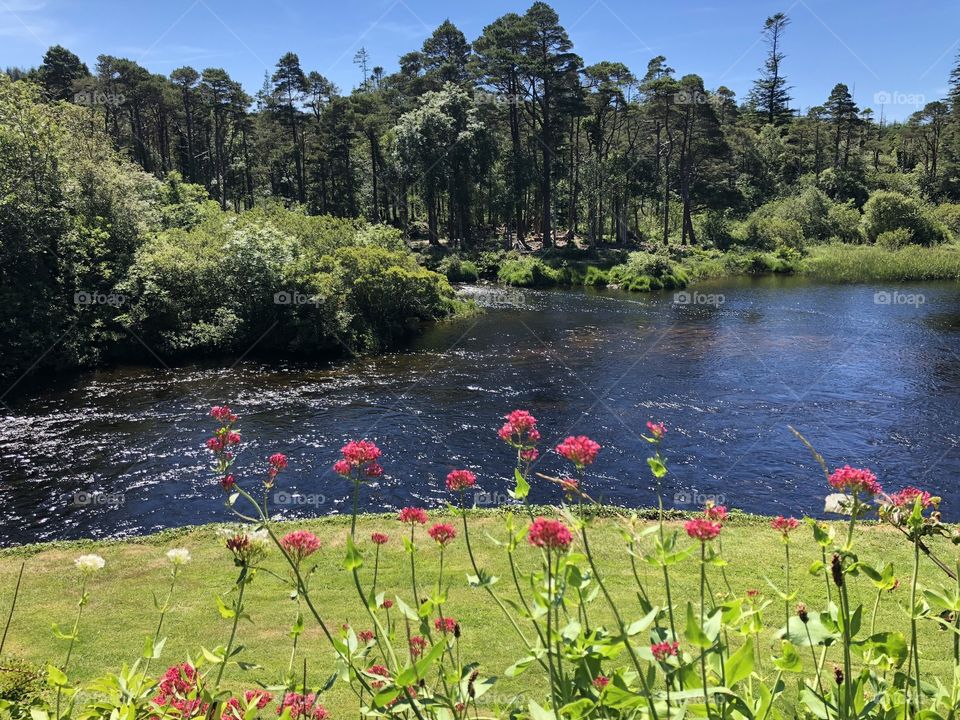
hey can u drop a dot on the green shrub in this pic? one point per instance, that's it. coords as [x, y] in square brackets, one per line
[949, 215]
[21, 683]
[595, 276]
[645, 271]
[768, 232]
[488, 262]
[458, 270]
[715, 230]
[887, 210]
[527, 272]
[843, 221]
[893, 239]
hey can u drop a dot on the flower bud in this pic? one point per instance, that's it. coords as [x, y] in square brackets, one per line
[836, 568]
[838, 674]
[802, 613]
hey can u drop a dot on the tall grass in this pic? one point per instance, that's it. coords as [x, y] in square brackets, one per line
[863, 263]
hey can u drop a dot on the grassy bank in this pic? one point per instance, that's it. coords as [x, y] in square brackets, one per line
[867, 263]
[121, 613]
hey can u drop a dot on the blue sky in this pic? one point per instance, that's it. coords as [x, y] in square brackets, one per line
[887, 51]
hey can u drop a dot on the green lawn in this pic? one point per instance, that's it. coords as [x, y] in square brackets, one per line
[121, 612]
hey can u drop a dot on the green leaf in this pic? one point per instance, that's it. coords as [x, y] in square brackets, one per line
[739, 666]
[539, 713]
[693, 632]
[658, 469]
[56, 677]
[638, 626]
[519, 667]
[226, 612]
[353, 560]
[523, 487]
[789, 660]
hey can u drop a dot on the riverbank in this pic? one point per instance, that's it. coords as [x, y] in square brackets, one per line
[677, 267]
[120, 612]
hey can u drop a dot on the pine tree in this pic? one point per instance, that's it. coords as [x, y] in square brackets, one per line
[769, 97]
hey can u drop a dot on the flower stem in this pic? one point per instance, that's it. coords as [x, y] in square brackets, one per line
[238, 610]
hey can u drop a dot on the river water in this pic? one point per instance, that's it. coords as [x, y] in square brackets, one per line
[870, 375]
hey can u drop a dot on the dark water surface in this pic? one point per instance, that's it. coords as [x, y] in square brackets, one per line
[870, 383]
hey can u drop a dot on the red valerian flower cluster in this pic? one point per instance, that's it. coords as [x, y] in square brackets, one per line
[520, 430]
[702, 529]
[379, 538]
[380, 672]
[601, 681]
[365, 636]
[458, 480]
[413, 516]
[784, 525]
[855, 480]
[278, 461]
[717, 513]
[442, 533]
[233, 710]
[418, 644]
[445, 625]
[579, 449]
[663, 650]
[178, 690]
[303, 706]
[300, 544]
[360, 458]
[551, 534]
[657, 429]
[908, 496]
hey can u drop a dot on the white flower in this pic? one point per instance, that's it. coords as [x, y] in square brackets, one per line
[89, 563]
[178, 556]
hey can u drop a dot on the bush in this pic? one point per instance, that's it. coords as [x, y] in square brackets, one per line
[22, 684]
[768, 232]
[595, 277]
[887, 210]
[645, 271]
[843, 221]
[458, 270]
[715, 230]
[893, 239]
[527, 272]
[949, 215]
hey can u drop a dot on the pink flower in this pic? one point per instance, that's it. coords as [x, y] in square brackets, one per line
[663, 650]
[300, 544]
[228, 482]
[784, 525]
[520, 430]
[855, 480]
[302, 706]
[551, 534]
[359, 456]
[657, 429]
[717, 513]
[379, 538]
[386, 604]
[381, 676]
[413, 515]
[278, 460]
[580, 450]
[529, 455]
[445, 625]
[601, 681]
[223, 414]
[417, 645]
[233, 438]
[908, 496]
[178, 690]
[215, 444]
[702, 529]
[233, 710]
[442, 533]
[460, 480]
[365, 636]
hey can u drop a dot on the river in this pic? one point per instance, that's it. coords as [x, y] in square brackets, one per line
[871, 375]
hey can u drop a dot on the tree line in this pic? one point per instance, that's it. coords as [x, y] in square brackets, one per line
[511, 135]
